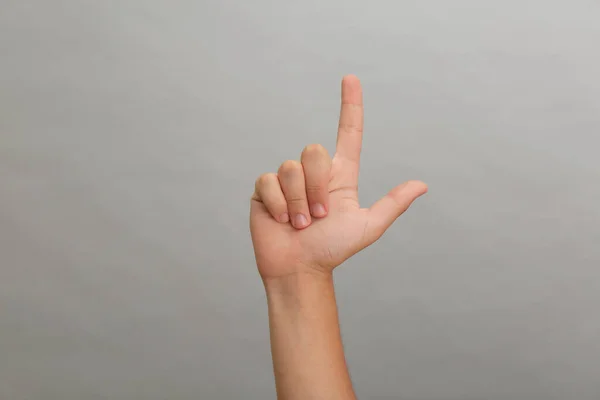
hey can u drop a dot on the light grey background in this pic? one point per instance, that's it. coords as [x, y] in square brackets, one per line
[131, 135]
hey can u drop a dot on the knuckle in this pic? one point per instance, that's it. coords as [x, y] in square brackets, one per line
[289, 166]
[315, 148]
[350, 127]
[264, 179]
[276, 206]
[296, 201]
[313, 188]
[316, 157]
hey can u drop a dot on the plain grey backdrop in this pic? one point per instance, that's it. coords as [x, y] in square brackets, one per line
[131, 135]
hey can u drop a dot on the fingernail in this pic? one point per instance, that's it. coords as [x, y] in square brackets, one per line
[318, 210]
[284, 218]
[300, 221]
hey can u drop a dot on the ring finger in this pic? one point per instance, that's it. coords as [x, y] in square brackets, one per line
[291, 178]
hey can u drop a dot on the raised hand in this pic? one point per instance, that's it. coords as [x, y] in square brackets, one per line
[306, 217]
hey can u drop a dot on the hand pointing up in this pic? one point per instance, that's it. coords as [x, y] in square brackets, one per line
[305, 218]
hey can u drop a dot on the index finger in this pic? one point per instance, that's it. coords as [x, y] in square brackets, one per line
[350, 129]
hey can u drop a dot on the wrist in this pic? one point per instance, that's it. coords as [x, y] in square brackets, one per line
[297, 283]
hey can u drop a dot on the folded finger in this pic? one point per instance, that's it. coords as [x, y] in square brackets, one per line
[317, 172]
[291, 179]
[268, 191]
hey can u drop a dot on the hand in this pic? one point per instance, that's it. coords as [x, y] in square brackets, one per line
[306, 218]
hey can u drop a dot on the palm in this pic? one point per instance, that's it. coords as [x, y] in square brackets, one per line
[326, 242]
[282, 249]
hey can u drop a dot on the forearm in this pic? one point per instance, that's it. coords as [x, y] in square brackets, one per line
[308, 356]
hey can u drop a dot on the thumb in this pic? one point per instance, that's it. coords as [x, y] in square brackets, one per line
[386, 210]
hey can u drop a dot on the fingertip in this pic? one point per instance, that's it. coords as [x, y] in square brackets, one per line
[300, 221]
[351, 90]
[419, 187]
[284, 218]
[350, 79]
[408, 191]
[318, 210]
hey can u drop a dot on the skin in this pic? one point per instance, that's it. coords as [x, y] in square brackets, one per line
[305, 220]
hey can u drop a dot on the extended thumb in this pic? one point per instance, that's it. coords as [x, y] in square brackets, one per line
[386, 210]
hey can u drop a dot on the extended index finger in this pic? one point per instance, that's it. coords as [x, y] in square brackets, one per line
[350, 129]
